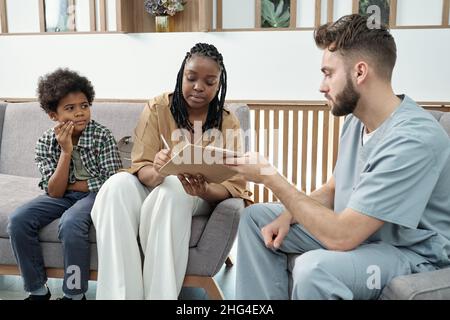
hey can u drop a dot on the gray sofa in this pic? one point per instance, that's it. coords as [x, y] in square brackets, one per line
[433, 285]
[20, 126]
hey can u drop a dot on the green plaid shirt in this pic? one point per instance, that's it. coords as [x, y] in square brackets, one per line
[98, 150]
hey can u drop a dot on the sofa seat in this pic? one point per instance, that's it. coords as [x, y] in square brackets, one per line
[16, 191]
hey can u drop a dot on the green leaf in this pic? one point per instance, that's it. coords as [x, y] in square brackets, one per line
[268, 11]
[285, 16]
[271, 17]
[279, 8]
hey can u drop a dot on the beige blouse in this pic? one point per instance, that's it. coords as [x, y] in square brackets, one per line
[156, 119]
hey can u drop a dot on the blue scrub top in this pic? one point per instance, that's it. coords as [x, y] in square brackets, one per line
[401, 176]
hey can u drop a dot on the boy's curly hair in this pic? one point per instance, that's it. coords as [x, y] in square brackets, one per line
[56, 85]
[351, 36]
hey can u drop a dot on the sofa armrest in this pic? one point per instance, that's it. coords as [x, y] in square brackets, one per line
[217, 238]
[434, 285]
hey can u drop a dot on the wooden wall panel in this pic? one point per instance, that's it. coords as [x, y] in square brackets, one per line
[393, 13]
[219, 15]
[205, 15]
[258, 21]
[93, 16]
[445, 12]
[293, 20]
[188, 19]
[355, 6]
[42, 16]
[3, 18]
[318, 15]
[103, 16]
[330, 10]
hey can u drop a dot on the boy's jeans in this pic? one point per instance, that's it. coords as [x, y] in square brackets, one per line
[74, 209]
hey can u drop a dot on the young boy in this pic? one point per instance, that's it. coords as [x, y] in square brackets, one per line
[75, 158]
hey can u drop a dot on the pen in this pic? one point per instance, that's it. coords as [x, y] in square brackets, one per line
[166, 145]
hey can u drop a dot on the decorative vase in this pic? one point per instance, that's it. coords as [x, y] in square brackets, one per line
[162, 23]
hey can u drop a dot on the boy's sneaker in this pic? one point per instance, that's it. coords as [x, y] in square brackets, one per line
[67, 298]
[35, 297]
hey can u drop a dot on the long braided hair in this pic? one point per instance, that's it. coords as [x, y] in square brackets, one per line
[215, 110]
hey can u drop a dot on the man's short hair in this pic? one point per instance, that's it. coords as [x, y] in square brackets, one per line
[352, 37]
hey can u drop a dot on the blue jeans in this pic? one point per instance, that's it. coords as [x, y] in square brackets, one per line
[74, 209]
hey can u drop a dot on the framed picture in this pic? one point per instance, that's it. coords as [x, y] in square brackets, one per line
[59, 15]
[275, 13]
[383, 6]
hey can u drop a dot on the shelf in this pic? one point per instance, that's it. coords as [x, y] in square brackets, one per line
[196, 16]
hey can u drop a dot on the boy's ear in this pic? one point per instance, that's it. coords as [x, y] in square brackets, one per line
[52, 115]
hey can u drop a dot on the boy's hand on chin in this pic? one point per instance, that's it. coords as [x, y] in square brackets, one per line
[63, 132]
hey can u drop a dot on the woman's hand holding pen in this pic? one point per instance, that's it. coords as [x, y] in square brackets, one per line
[194, 185]
[161, 158]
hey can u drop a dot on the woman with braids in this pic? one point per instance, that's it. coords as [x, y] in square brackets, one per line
[142, 203]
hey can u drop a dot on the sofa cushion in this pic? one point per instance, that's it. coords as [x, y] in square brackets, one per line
[241, 111]
[2, 117]
[52, 253]
[434, 285]
[443, 118]
[15, 191]
[24, 123]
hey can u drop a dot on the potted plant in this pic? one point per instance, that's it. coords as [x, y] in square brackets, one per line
[162, 9]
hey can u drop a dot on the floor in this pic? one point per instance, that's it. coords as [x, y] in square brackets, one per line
[11, 287]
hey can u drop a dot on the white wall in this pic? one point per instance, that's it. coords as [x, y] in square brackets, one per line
[413, 12]
[20, 19]
[306, 13]
[261, 65]
[244, 17]
[111, 15]
[341, 8]
[82, 18]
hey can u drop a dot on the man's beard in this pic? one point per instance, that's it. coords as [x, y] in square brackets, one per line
[346, 101]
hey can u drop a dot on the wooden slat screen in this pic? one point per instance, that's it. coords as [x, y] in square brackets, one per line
[301, 140]
[295, 138]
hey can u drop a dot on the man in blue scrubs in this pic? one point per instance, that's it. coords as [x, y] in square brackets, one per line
[386, 210]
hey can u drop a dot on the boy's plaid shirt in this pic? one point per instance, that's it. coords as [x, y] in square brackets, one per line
[98, 150]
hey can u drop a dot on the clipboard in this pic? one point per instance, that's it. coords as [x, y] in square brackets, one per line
[195, 159]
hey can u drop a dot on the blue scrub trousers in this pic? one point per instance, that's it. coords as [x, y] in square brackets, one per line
[318, 273]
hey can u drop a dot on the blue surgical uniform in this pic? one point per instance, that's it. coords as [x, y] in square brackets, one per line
[401, 176]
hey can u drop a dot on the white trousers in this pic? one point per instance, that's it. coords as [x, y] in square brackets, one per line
[125, 209]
